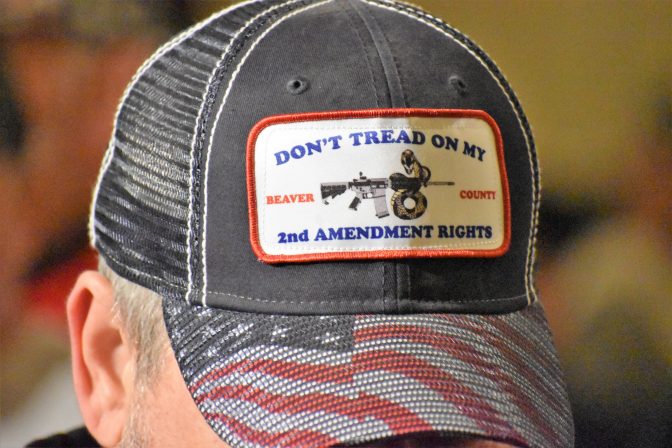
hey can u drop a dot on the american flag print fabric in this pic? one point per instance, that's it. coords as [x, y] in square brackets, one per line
[309, 381]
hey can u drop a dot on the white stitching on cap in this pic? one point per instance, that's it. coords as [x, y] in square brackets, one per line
[529, 284]
[255, 299]
[328, 249]
[163, 49]
[109, 152]
[234, 74]
[359, 301]
[195, 135]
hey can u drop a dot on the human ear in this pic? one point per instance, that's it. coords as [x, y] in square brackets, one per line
[103, 362]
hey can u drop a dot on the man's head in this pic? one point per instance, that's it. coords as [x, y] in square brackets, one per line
[129, 385]
[408, 314]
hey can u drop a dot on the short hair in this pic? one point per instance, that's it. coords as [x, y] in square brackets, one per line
[139, 311]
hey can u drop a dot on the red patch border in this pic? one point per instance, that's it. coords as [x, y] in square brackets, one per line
[373, 254]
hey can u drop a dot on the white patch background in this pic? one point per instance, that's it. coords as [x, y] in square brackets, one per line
[304, 176]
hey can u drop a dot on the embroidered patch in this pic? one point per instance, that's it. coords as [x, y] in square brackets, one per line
[380, 183]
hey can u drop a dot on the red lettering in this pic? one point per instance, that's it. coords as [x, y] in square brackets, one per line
[477, 194]
[290, 198]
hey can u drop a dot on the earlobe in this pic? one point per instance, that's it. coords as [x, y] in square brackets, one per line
[102, 358]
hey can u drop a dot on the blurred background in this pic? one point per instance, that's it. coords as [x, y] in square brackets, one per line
[594, 78]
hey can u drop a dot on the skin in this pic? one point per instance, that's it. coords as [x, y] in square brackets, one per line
[104, 377]
[118, 411]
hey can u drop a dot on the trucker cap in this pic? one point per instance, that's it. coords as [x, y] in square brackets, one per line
[337, 201]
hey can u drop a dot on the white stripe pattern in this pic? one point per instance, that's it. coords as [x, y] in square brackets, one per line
[258, 418]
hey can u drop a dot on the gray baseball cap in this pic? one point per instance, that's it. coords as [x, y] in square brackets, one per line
[337, 201]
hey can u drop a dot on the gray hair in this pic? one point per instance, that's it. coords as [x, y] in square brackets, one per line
[140, 314]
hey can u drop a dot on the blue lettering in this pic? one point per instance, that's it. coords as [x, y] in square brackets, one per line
[428, 231]
[336, 234]
[451, 143]
[376, 232]
[403, 138]
[371, 137]
[446, 142]
[470, 150]
[310, 148]
[391, 232]
[355, 138]
[285, 238]
[281, 157]
[334, 141]
[418, 138]
[387, 136]
[362, 232]
[298, 151]
[317, 147]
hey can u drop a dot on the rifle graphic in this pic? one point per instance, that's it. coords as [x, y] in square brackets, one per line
[399, 182]
[366, 188]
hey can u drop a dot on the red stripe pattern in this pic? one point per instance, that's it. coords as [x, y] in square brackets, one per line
[490, 376]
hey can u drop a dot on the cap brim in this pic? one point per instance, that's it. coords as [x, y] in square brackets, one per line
[290, 381]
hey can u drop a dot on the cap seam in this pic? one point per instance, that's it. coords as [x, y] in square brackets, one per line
[198, 202]
[428, 300]
[354, 249]
[394, 65]
[496, 73]
[382, 285]
[293, 7]
[398, 281]
[372, 80]
[194, 166]
[391, 74]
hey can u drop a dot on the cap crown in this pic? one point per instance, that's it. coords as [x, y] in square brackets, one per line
[170, 211]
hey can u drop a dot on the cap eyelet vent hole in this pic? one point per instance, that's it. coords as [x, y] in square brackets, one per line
[458, 85]
[297, 85]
